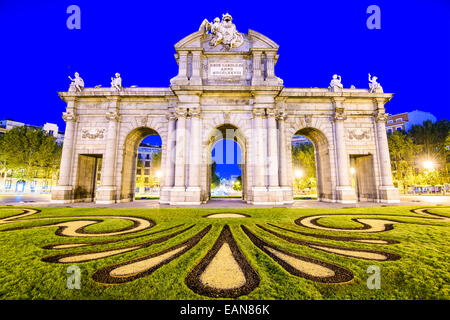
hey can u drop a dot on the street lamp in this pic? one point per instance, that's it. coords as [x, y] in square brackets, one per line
[428, 165]
[159, 174]
[298, 173]
[352, 170]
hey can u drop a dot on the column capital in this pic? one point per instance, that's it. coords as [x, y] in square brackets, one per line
[180, 112]
[171, 116]
[112, 116]
[281, 115]
[258, 112]
[381, 116]
[339, 114]
[195, 112]
[272, 113]
[69, 116]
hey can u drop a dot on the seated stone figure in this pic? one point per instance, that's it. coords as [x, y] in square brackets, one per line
[374, 86]
[335, 84]
[77, 84]
[116, 82]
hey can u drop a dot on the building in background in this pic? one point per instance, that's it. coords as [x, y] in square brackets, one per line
[50, 128]
[298, 140]
[147, 180]
[404, 121]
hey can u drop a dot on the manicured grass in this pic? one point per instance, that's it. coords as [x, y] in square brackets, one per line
[422, 272]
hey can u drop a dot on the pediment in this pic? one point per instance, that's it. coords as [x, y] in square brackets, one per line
[252, 40]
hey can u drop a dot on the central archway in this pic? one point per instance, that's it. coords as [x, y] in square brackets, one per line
[222, 133]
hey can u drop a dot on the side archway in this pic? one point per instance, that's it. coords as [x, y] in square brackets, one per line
[323, 161]
[129, 161]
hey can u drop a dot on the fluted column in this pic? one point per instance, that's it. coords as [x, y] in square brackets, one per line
[270, 56]
[383, 149]
[63, 192]
[109, 158]
[195, 149]
[341, 150]
[67, 151]
[259, 161]
[180, 160]
[182, 71]
[344, 191]
[257, 76]
[169, 170]
[283, 150]
[272, 150]
[196, 68]
[107, 190]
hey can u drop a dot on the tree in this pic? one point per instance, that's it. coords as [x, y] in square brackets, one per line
[30, 153]
[215, 179]
[402, 151]
[432, 138]
[303, 158]
[237, 185]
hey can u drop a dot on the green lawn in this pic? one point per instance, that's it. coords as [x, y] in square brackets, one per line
[422, 272]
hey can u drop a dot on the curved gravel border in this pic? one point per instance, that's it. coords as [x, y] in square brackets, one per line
[194, 282]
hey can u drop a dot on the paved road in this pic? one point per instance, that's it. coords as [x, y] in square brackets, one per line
[10, 198]
[43, 200]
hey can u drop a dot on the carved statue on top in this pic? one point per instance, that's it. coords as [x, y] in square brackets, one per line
[77, 84]
[374, 86]
[335, 84]
[116, 82]
[224, 32]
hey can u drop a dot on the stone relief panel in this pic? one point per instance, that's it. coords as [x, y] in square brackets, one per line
[359, 136]
[93, 133]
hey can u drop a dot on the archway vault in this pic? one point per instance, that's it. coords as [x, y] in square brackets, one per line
[129, 162]
[323, 160]
[225, 131]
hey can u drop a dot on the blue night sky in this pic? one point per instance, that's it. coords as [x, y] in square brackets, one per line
[410, 54]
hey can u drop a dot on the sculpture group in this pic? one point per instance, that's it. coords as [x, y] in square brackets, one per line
[224, 32]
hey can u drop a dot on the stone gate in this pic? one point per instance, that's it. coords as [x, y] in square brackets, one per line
[226, 87]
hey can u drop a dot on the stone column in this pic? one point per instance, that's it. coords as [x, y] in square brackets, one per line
[283, 150]
[388, 193]
[193, 191]
[66, 157]
[275, 194]
[181, 78]
[63, 192]
[177, 193]
[272, 150]
[270, 56]
[196, 69]
[169, 164]
[259, 160]
[344, 191]
[107, 191]
[257, 76]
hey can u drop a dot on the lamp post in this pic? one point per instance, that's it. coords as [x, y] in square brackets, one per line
[298, 176]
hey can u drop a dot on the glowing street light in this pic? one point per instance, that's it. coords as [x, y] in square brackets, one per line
[159, 174]
[298, 173]
[352, 170]
[428, 165]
